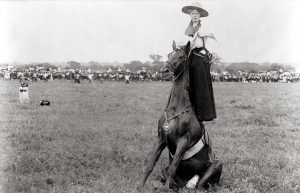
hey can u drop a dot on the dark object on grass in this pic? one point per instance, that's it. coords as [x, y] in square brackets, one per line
[50, 182]
[44, 103]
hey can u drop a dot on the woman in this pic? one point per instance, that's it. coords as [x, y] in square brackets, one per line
[201, 90]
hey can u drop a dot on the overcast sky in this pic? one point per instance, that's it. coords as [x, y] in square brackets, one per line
[119, 30]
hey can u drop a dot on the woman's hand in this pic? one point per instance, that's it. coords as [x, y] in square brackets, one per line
[212, 36]
[204, 35]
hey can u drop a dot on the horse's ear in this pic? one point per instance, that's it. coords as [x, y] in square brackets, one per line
[174, 45]
[187, 48]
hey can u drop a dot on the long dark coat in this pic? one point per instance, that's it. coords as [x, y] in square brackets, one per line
[201, 90]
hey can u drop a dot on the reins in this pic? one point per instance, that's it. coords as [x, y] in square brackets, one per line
[174, 116]
[175, 78]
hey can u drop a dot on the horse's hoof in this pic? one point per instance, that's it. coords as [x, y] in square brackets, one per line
[192, 183]
[161, 179]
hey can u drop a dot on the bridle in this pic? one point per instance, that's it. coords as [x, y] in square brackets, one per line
[183, 62]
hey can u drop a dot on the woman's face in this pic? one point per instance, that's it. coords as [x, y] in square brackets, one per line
[195, 15]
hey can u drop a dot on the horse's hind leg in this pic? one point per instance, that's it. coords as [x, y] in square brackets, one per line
[212, 175]
[211, 155]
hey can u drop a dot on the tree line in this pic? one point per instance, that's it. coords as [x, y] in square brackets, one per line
[249, 67]
[155, 64]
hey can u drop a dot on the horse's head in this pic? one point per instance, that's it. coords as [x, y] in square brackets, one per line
[176, 59]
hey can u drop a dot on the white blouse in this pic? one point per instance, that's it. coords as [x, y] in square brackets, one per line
[196, 41]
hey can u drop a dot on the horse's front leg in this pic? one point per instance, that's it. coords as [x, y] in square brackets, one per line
[180, 150]
[158, 147]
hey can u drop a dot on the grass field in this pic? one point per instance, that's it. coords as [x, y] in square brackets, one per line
[97, 137]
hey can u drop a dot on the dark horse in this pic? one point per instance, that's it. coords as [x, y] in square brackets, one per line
[181, 133]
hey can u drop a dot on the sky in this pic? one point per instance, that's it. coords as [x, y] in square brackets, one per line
[123, 31]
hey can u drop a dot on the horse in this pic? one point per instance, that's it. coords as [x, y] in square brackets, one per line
[180, 131]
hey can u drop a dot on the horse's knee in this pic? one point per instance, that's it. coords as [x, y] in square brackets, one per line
[217, 164]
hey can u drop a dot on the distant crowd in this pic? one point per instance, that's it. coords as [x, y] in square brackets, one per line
[78, 75]
[272, 76]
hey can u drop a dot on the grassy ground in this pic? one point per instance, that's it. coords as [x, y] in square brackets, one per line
[97, 137]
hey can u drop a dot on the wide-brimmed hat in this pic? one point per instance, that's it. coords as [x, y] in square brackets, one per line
[197, 6]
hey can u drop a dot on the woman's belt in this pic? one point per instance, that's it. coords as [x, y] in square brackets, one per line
[203, 53]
